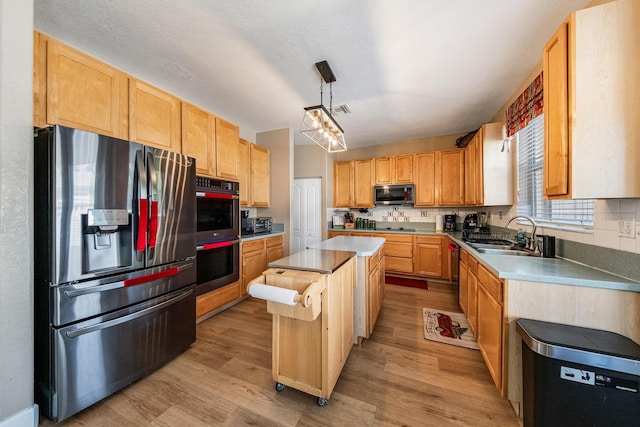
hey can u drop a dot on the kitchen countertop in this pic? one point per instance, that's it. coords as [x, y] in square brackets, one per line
[321, 261]
[531, 269]
[247, 237]
[362, 246]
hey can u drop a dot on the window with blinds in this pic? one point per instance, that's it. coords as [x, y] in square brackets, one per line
[531, 202]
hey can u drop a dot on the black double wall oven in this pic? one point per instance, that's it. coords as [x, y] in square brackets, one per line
[217, 233]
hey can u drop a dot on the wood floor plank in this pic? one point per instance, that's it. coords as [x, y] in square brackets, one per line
[395, 378]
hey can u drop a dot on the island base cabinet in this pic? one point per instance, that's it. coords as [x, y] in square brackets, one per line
[309, 353]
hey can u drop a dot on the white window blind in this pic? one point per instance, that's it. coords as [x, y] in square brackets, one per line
[531, 202]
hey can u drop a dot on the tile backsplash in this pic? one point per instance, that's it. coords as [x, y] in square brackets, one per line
[605, 232]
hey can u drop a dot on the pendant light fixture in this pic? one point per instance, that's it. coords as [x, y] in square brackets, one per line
[318, 123]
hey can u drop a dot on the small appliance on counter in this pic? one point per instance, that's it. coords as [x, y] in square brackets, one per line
[450, 222]
[470, 222]
[256, 225]
[546, 245]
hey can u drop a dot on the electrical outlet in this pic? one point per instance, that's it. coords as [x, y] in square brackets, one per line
[627, 229]
[424, 213]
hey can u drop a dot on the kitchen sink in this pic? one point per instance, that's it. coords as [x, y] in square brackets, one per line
[513, 251]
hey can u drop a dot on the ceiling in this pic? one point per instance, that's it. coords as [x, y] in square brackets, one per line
[407, 69]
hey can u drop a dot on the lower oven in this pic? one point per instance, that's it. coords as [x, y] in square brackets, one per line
[218, 264]
[217, 210]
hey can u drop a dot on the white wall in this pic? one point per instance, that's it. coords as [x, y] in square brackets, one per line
[311, 161]
[16, 213]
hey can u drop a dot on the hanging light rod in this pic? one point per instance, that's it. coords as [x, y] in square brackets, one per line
[325, 72]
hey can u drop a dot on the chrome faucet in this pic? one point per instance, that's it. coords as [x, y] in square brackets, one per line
[532, 243]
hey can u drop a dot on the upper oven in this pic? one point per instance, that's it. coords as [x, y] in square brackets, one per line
[217, 211]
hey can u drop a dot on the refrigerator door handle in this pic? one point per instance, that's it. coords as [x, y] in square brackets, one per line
[143, 205]
[110, 323]
[153, 196]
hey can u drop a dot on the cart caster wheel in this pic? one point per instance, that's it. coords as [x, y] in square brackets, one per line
[322, 401]
[279, 387]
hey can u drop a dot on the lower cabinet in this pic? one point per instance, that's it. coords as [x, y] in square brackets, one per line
[375, 288]
[256, 255]
[398, 253]
[472, 294]
[206, 303]
[431, 256]
[463, 282]
[490, 325]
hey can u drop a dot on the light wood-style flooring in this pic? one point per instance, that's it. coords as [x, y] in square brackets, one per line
[396, 378]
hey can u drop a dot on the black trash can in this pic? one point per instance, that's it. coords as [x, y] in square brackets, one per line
[576, 376]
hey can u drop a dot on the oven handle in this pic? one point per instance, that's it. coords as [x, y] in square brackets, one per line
[115, 285]
[110, 323]
[209, 246]
[208, 195]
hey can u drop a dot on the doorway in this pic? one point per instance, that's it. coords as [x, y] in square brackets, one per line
[306, 216]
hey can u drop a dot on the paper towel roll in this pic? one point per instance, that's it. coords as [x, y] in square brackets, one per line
[439, 223]
[273, 293]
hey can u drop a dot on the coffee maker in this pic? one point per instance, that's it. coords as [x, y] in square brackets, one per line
[450, 222]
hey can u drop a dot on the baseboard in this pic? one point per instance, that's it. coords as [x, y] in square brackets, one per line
[26, 418]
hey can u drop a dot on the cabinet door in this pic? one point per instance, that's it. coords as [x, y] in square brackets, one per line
[470, 176]
[275, 248]
[428, 256]
[83, 92]
[463, 286]
[244, 171]
[472, 296]
[556, 115]
[374, 299]
[425, 174]
[227, 147]
[363, 183]
[198, 138]
[260, 181]
[253, 264]
[343, 184]
[489, 334]
[403, 169]
[154, 116]
[451, 177]
[383, 170]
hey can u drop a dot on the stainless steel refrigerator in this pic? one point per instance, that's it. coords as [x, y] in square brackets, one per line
[114, 265]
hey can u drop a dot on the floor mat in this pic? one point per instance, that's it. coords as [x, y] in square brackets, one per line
[401, 281]
[448, 328]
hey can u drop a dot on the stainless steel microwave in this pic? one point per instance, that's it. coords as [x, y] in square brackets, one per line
[394, 194]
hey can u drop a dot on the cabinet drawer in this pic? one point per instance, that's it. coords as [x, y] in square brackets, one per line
[434, 240]
[274, 241]
[398, 237]
[252, 245]
[473, 265]
[397, 249]
[402, 265]
[464, 256]
[491, 283]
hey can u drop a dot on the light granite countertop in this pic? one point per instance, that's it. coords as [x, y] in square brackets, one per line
[248, 237]
[362, 246]
[317, 260]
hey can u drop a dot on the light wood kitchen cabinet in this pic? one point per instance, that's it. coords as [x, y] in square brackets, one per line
[154, 116]
[353, 184]
[450, 177]
[343, 184]
[591, 109]
[375, 288]
[398, 253]
[198, 138]
[472, 293]
[207, 304]
[227, 147]
[75, 90]
[490, 325]
[244, 171]
[260, 177]
[394, 170]
[429, 256]
[488, 169]
[257, 254]
[425, 177]
[463, 283]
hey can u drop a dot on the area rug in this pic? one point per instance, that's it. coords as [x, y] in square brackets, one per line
[448, 328]
[401, 281]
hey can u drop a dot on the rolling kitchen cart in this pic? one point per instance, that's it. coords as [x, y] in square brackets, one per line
[312, 339]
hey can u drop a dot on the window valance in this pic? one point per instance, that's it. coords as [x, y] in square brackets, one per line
[526, 107]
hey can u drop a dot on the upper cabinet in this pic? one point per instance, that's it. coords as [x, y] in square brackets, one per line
[75, 90]
[488, 168]
[227, 146]
[154, 116]
[353, 184]
[343, 184]
[244, 171]
[425, 177]
[260, 183]
[198, 138]
[450, 177]
[394, 170]
[592, 104]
